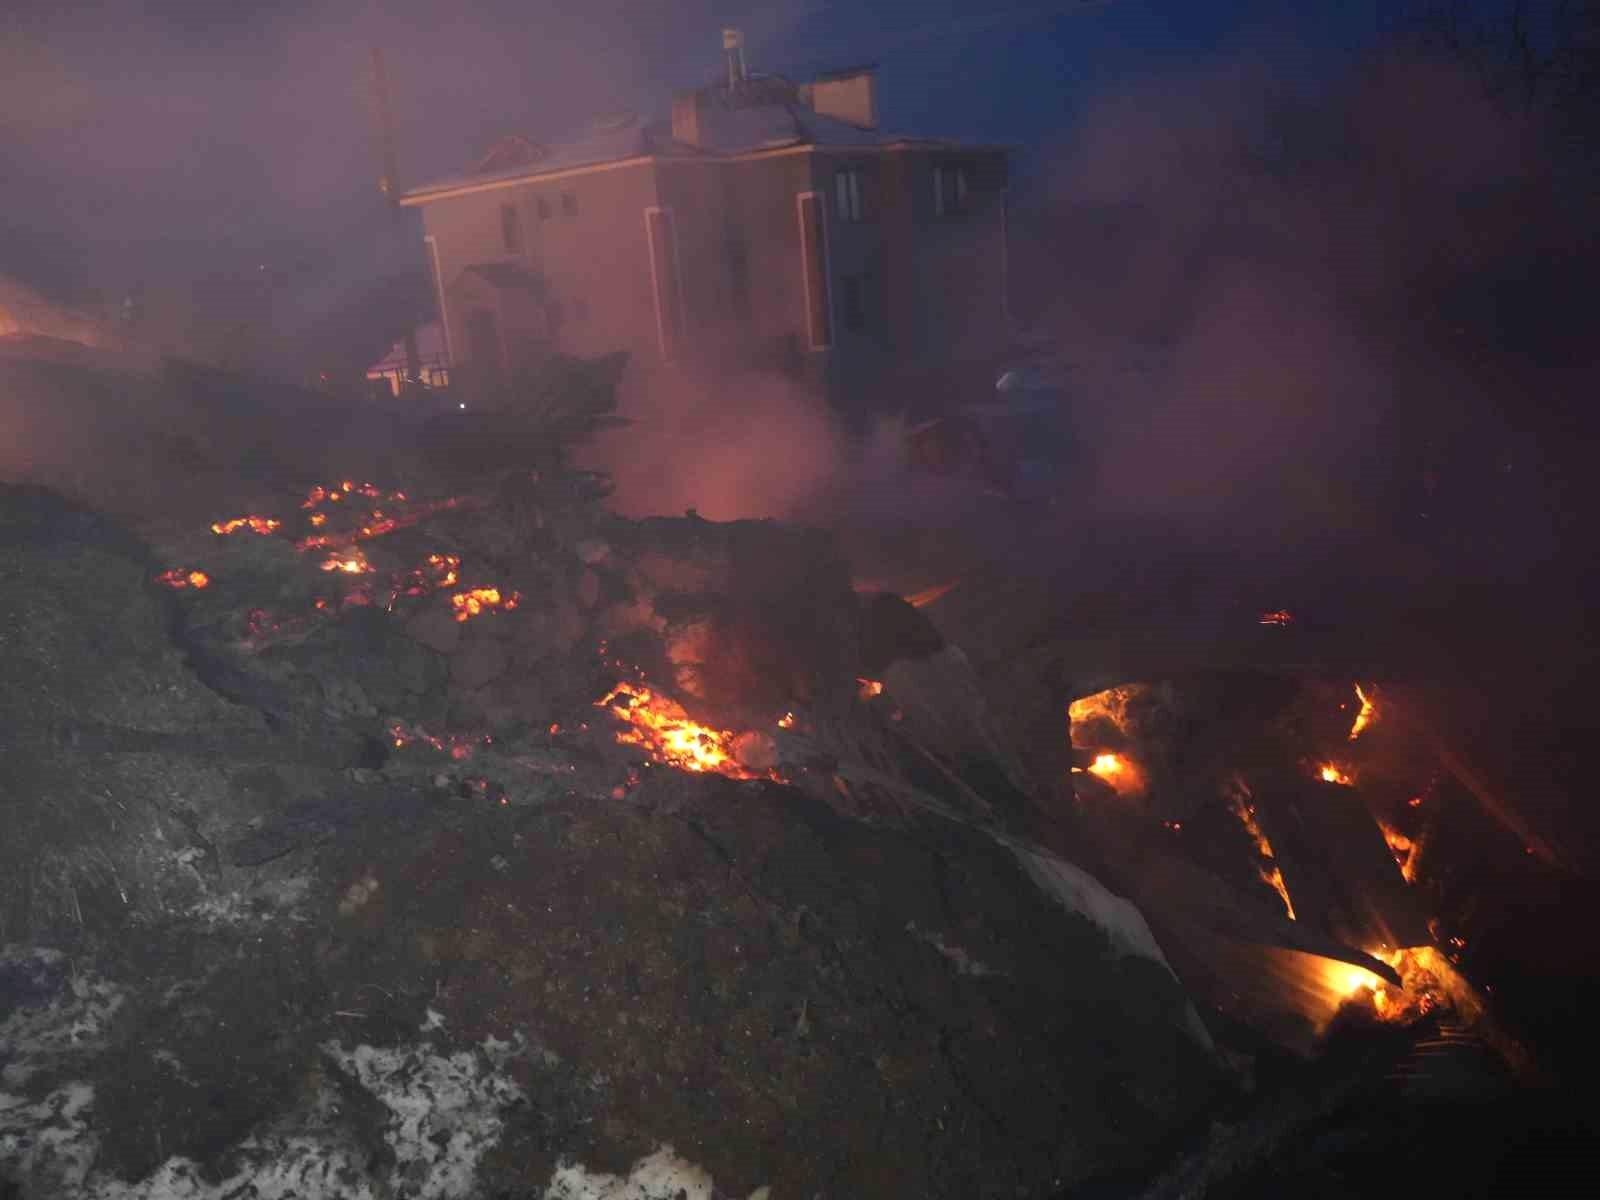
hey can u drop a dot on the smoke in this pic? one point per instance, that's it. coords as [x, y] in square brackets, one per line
[1273, 294]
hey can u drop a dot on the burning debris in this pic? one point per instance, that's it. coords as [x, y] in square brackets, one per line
[351, 563]
[458, 746]
[1240, 802]
[1277, 618]
[1333, 773]
[178, 579]
[662, 728]
[476, 601]
[257, 525]
[1367, 715]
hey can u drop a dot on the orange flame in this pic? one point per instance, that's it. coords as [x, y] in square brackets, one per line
[931, 595]
[866, 689]
[1367, 715]
[1269, 871]
[261, 525]
[1405, 850]
[663, 729]
[1279, 617]
[1332, 773]
[439, 571]
[471, 603]
[353, 563]
[177, 579]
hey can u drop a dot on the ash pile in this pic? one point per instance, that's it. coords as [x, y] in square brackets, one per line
[447, 836]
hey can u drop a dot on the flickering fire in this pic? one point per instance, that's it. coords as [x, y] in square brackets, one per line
[261, 525]
[1428, 981]
[1333, 773]
[1110, 705]
[1367, 715]
[439, 571]
[866, 689]
[1278, 617]
[1405, 850]
[351, 563]
[663, 729]
[475, 601]
[1239, 800]
[178, 579]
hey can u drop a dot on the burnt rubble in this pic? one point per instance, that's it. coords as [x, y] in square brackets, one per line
[302, 853]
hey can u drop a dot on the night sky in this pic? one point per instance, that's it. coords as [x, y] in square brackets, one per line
[168, 138]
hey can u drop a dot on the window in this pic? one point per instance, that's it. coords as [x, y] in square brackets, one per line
[951, 183]
[738, 276]
[569, 204]
[511, 228]
[855, 303]
[544, 208]
[847, 189]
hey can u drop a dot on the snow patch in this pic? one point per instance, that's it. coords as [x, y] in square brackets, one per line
[445, 1109]
[60, 1013]
[663, 1175]
[48, 1141]
[963, 962]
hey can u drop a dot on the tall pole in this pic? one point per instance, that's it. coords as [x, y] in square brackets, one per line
[389, 185]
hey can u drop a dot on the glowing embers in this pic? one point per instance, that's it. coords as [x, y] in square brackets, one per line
[868, 689]
[318, 496]
[476, 601]
[178, 579]
[1239, 801]
[1367, 715]
[459, 746]
[260, 525]
[438, 571]
[932, 595]
[1277, 618]
[662, 728]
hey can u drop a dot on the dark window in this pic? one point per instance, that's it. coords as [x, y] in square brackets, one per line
[855, 303]
[738, 277]
[569, 204]
[511, 228]
[544, 208]
[952, 182]
[848, 187]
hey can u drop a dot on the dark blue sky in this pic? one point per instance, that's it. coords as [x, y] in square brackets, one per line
[190, 134]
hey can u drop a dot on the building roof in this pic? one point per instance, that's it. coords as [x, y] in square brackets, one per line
[770, 116]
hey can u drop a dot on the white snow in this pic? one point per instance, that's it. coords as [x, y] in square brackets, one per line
[663, 1175]
[446, 1109]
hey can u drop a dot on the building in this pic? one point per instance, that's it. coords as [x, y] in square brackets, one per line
[767, 225]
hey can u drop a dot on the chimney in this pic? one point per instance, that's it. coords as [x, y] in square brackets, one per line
[850, 96]
[733, 47]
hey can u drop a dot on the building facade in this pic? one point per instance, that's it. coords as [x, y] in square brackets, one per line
[768, 226]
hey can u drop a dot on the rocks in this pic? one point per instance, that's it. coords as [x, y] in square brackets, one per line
[478, 662]
[592, 552]
[588, 590]
[435, 628]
